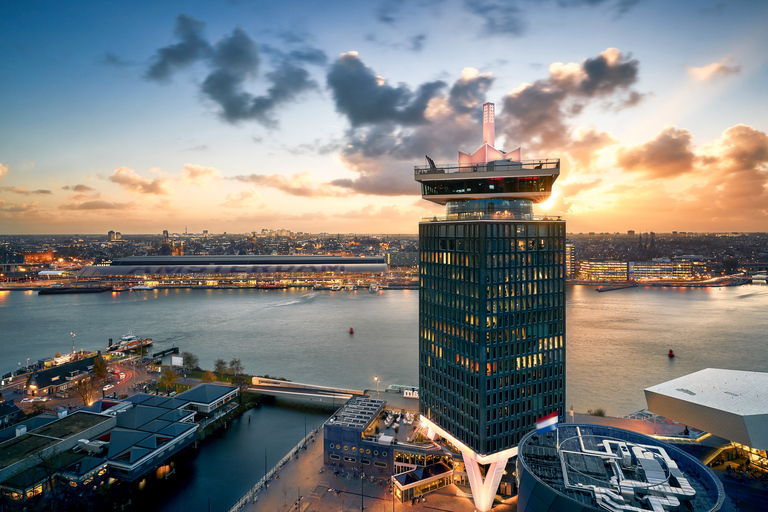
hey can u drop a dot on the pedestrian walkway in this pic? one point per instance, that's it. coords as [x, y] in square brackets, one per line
[303, 484]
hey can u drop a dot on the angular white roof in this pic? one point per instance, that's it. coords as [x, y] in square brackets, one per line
[728, 403]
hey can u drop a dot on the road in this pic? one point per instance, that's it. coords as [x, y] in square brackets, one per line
[123, 387]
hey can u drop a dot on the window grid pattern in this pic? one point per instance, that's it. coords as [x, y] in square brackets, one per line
[491, 328]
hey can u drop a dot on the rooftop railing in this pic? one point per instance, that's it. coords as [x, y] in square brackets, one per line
[490, 216]
[551, 164]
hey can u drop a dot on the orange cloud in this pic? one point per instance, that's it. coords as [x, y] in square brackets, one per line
[714, 70]
[3, 170]
[24, 191]
[129, 180]
[299, 184]
[98, 205]
[248, 198]
[6, 207]
[668, 154]
[199, 175]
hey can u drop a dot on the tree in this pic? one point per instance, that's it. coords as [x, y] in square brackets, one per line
[100, 368]
[86, 388]
[58, 354]
[236, 367]
[191, 362]
[597, 412]
[209, 376]
[220, 366]
[168, 378]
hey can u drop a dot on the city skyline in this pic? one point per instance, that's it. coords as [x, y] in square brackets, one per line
[237, 117]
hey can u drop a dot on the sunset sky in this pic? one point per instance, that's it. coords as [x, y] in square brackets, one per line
[242, 115]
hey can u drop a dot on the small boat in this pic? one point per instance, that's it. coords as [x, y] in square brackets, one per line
[351, 331]
[139, 287]
[335, 287]
[373, 288]
[129, 342]
[350, 287]
[671, 353]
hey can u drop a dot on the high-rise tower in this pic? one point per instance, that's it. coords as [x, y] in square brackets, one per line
[491, 306]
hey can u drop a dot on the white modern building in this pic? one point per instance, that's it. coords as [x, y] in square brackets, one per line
[731, 404]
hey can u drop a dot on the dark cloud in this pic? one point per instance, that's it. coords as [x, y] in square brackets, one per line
[417, 42]
[668, 154]
[308, 55]
[536, 114]
[24, 191]
[234, 61]
[78, 188]
[97, 205]
[499, 16]
[502, 17]
[111, 59]
[468, 93]
[390, 125]
[365, 99]
[191, 47]
[388, 11]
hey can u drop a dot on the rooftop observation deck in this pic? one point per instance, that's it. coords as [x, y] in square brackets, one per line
[499, 179]
[495, 216]
[498, 168]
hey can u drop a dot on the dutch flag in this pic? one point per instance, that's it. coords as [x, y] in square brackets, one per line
[546, 424]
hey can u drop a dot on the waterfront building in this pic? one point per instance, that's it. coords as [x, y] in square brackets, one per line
[491, 306]
[660, 269]
[351, 440]
[113, 439]
[604, 270]
[142, 266]
[60, 378]
[727, 403]
[594, 468]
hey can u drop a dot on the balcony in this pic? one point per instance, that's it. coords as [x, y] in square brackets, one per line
[547, 166]
[472, 216]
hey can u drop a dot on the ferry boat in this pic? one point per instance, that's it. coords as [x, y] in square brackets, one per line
[130, 342]
[142, 287]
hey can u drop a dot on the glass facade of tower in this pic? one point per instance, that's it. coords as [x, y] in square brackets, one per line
[491, 327]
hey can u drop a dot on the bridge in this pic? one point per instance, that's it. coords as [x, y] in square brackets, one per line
[298, 390]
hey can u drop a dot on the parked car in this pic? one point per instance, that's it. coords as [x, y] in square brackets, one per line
[108, 386]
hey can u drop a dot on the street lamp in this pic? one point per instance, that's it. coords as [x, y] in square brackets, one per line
[376, 378]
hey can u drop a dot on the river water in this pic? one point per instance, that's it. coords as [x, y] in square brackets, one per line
[617, 344]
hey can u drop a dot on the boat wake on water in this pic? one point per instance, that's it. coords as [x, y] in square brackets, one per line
[304, 298]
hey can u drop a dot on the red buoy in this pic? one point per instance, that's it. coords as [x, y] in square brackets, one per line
[671, 353]
[351, 331]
